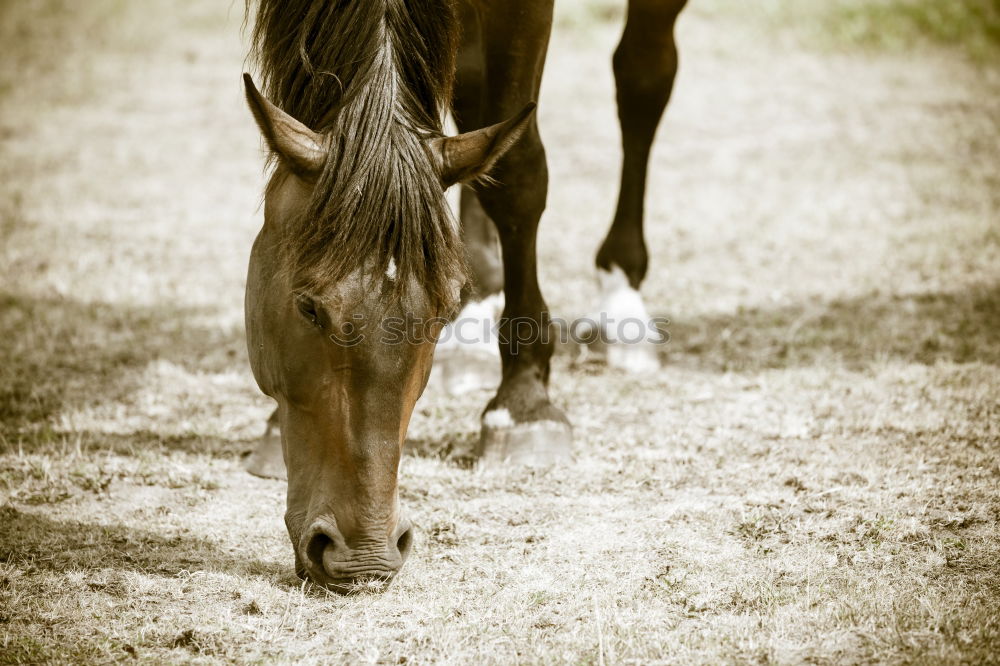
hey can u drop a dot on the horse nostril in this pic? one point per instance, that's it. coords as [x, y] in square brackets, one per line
[330, 561]
[404, 542]
[316, 547]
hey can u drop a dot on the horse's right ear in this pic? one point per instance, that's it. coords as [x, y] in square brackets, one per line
[301, 149]
[471, 155]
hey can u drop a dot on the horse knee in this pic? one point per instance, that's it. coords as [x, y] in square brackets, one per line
[521, 184]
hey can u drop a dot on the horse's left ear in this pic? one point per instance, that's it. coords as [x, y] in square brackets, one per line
[300, 148]
[468, 156]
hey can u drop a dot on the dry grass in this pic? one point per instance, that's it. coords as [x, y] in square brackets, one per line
[812, 478]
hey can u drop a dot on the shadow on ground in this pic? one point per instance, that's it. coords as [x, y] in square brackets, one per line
[958, 327]
[59, 353]
[37, 543]
[455, 448]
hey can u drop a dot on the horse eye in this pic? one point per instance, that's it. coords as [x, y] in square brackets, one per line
[307, 308]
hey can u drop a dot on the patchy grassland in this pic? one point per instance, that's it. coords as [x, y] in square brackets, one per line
[813, 477]
[971, 27]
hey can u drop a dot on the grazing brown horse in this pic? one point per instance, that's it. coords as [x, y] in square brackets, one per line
[358, 241]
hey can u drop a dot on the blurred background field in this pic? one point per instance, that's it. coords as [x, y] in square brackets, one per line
[970, 26]
[812, 477]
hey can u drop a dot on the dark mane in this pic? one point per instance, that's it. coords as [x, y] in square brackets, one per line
[376, 76]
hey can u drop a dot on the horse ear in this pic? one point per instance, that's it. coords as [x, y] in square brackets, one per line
[301, 149]
[468, 156]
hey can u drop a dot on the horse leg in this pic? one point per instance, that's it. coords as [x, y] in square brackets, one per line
[268, 460]
[520, 424]
[467, 357]
[645, 64]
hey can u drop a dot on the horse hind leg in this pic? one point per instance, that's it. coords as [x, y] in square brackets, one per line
[467, 357]
[268, 460]
[645, 64]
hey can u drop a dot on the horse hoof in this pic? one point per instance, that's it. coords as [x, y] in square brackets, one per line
[637, 358]
[268, 461]
[532, 444]
[458, 372]
[621, 331]
[634, 358]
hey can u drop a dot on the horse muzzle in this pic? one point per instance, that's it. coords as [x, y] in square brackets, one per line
[364, 563]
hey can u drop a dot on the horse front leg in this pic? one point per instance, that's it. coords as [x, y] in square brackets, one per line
[520, 424]
[645, 65]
